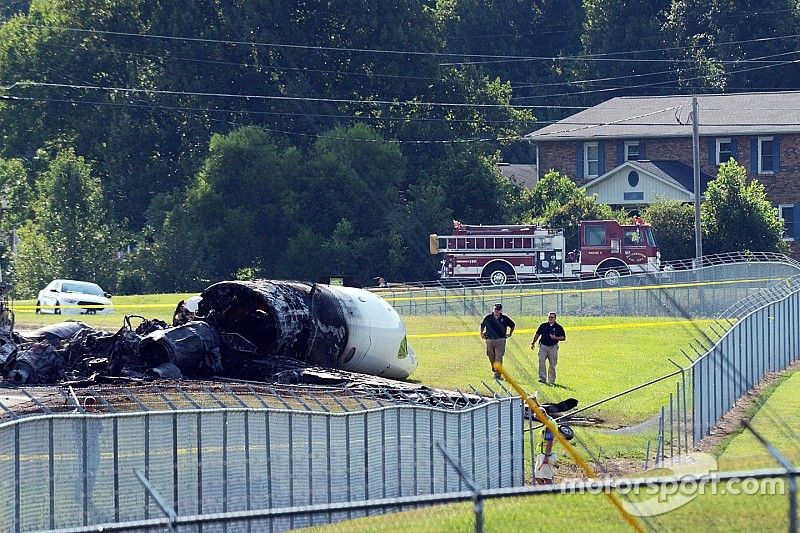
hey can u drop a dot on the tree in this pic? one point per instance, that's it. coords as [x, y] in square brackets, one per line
[620, 32]
[240, 209]
[736, 215]
[67, 237]
[673, 227]
[552, 189]
[476, 191]
[568, 216]
[715, 40]
[425, 212]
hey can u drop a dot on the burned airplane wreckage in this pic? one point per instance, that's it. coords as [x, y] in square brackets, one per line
[275, 331]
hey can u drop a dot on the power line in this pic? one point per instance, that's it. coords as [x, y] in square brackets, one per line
[656, 84]
[611, 56]
[630, 76]
[278, 97]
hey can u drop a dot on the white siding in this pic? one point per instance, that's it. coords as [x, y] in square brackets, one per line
[612, 189]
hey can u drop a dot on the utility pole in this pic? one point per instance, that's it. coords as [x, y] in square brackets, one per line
[698, 236]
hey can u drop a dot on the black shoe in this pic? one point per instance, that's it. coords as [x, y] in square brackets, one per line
[542, 381]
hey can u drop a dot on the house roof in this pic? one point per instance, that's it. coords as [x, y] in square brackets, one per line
[675, 173]
[522, 175]
[641, 117]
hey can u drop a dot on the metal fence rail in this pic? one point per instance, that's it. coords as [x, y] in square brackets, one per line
[707, 291]
[667, 267]
[77, 469]
[654, 487]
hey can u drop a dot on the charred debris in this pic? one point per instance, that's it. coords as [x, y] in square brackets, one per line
[267, 331]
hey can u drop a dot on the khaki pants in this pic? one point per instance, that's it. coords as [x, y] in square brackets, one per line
[548, 353]
[495, 349]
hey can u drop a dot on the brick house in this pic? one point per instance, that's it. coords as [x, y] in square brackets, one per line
[629, 150]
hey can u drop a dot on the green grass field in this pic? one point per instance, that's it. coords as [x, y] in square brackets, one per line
[601, 356]
[777, 418]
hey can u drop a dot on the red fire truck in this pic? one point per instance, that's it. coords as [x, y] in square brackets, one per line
[503, 253]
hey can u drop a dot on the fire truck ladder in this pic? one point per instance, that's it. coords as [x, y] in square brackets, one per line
[540, 240]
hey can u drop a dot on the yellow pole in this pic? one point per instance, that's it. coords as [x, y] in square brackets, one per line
[542, 417]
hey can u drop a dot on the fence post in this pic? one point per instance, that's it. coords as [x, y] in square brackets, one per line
[477, 497]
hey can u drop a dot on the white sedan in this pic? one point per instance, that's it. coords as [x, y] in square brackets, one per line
[73, 297]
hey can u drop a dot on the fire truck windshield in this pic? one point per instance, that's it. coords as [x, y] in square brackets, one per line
[651, 240]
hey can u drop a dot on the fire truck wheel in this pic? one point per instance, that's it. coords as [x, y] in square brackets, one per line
[612, 273]
[498, 273]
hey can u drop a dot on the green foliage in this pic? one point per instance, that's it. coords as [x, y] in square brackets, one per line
[550, 190]
[131, 280]
[698, 28]
[67, 237]
[476, 191]
[614, 27]
[673, 228]
[736, 215]
[567, 216]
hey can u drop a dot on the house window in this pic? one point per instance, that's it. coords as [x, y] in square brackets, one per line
[632, 150]
[594, 236]
[633, 178]
[591, 160]
[633, 196]
[786, 213]
[724, 150]
[766, 155]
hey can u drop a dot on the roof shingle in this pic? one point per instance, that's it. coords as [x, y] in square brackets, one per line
[641, 117]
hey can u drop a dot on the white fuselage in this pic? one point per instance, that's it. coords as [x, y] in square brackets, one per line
[376, 341]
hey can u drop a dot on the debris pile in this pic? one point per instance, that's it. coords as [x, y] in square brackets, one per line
[279, 332]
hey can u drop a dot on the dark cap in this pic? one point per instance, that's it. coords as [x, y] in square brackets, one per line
[498, 306]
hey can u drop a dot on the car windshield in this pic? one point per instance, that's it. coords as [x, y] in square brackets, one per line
[85, 288]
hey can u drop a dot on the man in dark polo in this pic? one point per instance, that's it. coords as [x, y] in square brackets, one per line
[551, 334]
[495, 328]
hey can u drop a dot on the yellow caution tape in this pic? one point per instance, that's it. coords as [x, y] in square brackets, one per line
[628, 325]
[542, 417]
[573, 291]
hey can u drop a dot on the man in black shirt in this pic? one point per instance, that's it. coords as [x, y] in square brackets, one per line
[495, 328]
[551, 333]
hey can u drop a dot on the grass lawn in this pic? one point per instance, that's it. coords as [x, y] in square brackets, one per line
[777, 418]
[601, 356]
[159, 306]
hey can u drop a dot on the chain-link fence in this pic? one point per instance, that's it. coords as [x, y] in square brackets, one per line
[702, 292]
[65, 470]
[764, 339]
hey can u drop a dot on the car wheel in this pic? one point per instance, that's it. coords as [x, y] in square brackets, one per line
[38, 307]
[57, 309]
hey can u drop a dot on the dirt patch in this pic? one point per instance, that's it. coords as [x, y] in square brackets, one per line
[616, 467]
[732, 420]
